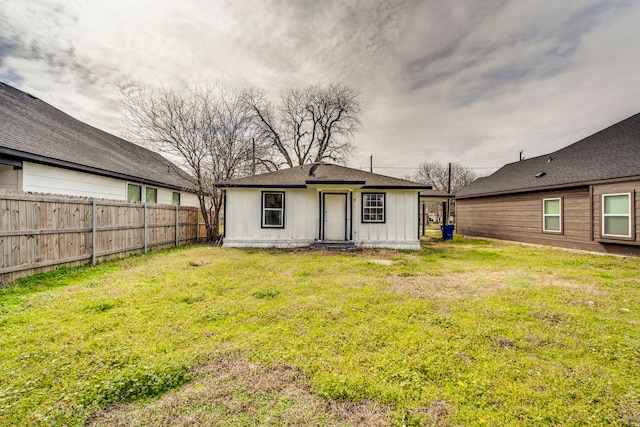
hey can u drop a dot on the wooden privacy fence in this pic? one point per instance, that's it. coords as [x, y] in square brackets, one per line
[41, 232]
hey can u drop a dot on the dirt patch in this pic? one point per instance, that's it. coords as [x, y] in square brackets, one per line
[457, 286]
[382, 261]
[239, 392]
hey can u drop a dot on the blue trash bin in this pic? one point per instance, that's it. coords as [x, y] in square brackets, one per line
[447, 232]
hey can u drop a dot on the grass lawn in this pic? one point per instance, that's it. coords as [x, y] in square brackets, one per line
[468, 332]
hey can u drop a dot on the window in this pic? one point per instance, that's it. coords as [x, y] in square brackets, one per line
[616, 215]
[373, 207]
[152, 195]
[272, 209]
[176, 198]
[134, 193]
[552, 215]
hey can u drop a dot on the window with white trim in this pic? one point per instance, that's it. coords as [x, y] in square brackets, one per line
[616, 215]
[134, 193]
[552, 215]
[373, 207]
[273, 209]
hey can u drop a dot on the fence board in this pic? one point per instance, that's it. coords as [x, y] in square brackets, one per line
[41, 232]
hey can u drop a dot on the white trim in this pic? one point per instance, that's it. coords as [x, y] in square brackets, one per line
[628, 216]
[545, 215]
[294, 243]
[389, 244]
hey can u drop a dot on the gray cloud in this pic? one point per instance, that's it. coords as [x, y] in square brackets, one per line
[473, 82]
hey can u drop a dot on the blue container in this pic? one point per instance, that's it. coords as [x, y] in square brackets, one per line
[447, 232]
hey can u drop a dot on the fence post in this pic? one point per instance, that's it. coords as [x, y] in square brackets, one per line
[177, 225]
[197, 226]
[93, 231]
[145, 228]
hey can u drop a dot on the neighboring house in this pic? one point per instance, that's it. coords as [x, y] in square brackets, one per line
[45, 150]
[583, 196]
[321, 204]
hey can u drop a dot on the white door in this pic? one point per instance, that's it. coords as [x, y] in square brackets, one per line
[335, 216]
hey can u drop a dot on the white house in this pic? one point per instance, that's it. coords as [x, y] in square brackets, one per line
[321, 204]
[45, 150]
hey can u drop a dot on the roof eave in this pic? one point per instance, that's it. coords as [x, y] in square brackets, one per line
[550, 187]
[48, 161]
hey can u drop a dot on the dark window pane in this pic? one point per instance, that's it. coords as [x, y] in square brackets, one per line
[272, 217]
[273, 200]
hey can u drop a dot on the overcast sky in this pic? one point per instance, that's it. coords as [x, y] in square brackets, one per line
[468, 81]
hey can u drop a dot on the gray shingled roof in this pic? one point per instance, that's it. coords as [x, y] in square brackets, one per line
[323, 173]
[33, 130]
[611, 153]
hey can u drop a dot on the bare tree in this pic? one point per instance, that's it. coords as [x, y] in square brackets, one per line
[308, 125]
[207, 131]
[436, 174]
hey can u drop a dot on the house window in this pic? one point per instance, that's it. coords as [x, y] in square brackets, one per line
[272, 209]
[616, 215]
[373, 207]
[176, 198]
[134, 193]
[151, 195]
[552, 215]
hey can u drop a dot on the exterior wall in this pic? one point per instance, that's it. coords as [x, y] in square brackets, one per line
[243, 221]
[48, 179]
[400, 229]
[632, 187]
[518, 217]
[9, 178]
[244, 210]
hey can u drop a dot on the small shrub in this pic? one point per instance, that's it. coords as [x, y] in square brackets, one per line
[136, 384]
[192, 299]
[101, 306]
[266, 293]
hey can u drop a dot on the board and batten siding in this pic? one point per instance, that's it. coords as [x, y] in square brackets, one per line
[243, 219]
[400, 229]
[40, 178]
[243, 226]
[518, 217]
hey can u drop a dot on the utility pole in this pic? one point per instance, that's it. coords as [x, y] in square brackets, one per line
[371, 163]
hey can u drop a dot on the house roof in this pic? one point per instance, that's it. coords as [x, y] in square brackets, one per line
[612, 153]
[33, 130]
[321, 174]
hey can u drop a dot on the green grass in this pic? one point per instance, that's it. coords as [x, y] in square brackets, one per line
[468, 332]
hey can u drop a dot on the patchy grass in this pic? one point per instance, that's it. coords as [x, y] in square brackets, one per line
[468, 332]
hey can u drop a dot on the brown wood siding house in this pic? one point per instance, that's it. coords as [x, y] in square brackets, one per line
[584, 196]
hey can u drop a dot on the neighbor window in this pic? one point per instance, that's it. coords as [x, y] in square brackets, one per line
[616, 215]
[151, 195]
[552, 215]
[134, 193]
[373, 207]
[176, 198]
[273, 209]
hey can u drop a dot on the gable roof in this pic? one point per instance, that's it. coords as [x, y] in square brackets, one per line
[33, 130]
[319, 174]
[612, 153]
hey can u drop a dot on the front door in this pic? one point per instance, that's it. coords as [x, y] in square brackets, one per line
[335, 217]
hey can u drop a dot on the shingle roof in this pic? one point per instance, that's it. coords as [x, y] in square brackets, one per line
[31, 129]
[321, 173]
[611, 153]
